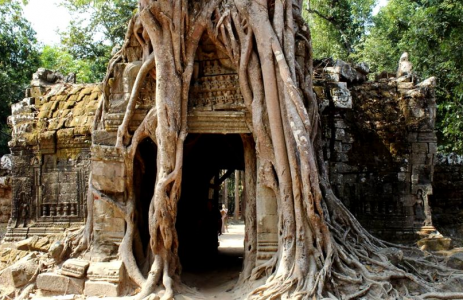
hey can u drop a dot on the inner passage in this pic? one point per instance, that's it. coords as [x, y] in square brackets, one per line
[211, 161]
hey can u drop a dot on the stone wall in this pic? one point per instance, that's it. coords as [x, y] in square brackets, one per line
[447, 200]
[379, 145]
[378, 136]
[5, 189]
[51, 138]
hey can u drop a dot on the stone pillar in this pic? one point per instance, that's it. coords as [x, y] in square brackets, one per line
[237, 195]
[225, 193]
[267, 222]
[243, 202]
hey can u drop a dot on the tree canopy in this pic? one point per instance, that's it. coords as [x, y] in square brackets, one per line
[431, 31]
[19, 58]
[338, 26]
[92, 40]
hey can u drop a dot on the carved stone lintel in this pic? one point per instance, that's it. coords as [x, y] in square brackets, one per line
[75, 268]
[106, 271]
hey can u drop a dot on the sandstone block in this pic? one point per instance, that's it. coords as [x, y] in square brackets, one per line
[106, 271]
[19, 273]
[341, 95]
[332, 74]
[35, 244]
[8, 255]
[75, 268]
[405, 85]
[103, 137]
[420, 147]
[101, 289]
[59, 283]
[435, 244]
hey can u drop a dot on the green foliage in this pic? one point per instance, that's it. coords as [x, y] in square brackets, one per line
[92, 40]
[55, 58]
[19, 58]
[432, 32]
[5, 2]
[338, 26]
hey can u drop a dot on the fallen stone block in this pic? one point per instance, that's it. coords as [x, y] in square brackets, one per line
[75, 268]
[61, 297]
[19, 274]
[10, 255]
[101, 289]
[106, 271]
[59, 283]
[35, 244]
[435, 244]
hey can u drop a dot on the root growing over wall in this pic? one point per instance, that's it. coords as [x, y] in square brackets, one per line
[323, 252]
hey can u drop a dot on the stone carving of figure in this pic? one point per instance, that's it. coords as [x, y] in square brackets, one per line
[423, 196]
[22, 210]
[5, 162]
[419, 211]
[24, 213]
[405, 66]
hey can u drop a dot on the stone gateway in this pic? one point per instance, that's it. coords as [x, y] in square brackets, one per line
[123, 168]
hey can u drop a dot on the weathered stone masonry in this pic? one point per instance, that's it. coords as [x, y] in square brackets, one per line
[50, 153]
[379, 144]
[447, 200]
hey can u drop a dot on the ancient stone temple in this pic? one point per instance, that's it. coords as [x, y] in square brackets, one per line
[50, 156]
[379, 144]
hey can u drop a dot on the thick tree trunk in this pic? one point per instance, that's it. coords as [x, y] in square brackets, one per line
[323, 252]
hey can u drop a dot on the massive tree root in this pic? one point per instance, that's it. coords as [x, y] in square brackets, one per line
[323, 251]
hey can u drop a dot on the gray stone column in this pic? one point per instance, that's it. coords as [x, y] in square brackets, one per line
[267, 221]
[237, 195]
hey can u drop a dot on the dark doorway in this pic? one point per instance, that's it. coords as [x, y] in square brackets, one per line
[144, 178]
[206, 156]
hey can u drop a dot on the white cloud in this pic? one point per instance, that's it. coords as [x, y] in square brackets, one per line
[381, 3]
[47, 17]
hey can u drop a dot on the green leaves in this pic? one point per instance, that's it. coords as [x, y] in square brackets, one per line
[90, 40]
[19, 58]
[432, 32]
[338, 26]
[58, 59]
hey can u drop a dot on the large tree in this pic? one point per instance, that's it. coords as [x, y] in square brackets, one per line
[339, 26]
[323, 252]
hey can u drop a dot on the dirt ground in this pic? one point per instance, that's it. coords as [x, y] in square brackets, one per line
[217, 279]
[214, 280]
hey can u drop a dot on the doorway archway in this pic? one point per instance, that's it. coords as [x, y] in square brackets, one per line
[144, 179]
[208, 159]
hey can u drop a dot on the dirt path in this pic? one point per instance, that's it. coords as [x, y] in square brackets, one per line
[216, 280]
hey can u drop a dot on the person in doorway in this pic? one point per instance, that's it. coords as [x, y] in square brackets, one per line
[224, 214]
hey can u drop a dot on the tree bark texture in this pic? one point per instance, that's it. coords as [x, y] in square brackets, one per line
[323, 252]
